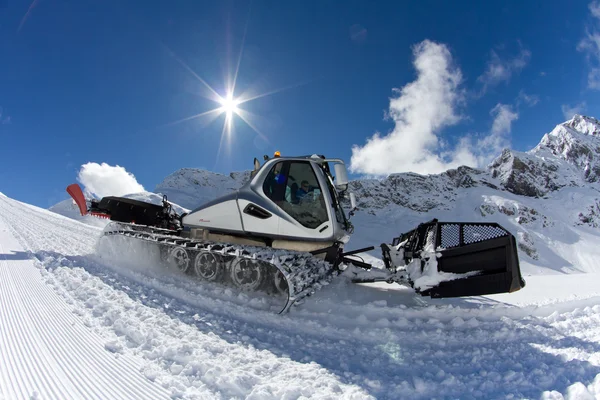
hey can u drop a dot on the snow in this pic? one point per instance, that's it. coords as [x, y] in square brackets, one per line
[47, 351]
[71, 323]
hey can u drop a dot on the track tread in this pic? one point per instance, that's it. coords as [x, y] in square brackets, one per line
[303, 272]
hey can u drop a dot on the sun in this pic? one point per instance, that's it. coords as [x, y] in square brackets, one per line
[229, 105]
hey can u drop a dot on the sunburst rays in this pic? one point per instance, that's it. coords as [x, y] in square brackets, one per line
[228, 103]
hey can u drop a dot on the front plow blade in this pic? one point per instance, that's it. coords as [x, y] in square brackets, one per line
[472, 259]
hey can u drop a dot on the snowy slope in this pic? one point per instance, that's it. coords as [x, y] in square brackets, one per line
[46, 349]
[551, 236]
[162, 342]
[71, 322]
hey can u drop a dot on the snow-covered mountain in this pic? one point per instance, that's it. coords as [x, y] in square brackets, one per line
[568, 156]
[190, 187]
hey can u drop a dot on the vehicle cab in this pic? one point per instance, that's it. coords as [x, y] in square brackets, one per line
[288, 199]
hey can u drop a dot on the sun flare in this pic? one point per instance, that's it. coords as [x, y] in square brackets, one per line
[229, 104]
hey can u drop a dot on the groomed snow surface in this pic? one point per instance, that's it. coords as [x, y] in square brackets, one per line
[74, 325]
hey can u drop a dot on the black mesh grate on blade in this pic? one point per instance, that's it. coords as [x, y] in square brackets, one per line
[450, 235]
[459, 234]
[478, 233]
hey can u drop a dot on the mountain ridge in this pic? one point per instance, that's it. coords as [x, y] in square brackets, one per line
[564, 157]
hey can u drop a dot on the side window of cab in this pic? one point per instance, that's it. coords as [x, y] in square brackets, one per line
[294, 187]
[276, 183]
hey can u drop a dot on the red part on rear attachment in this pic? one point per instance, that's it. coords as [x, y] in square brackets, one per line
[100, 215]
[75, 192]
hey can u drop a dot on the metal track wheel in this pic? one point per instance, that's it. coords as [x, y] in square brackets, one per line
[208, 266]
[280, 283]
[247, 274]
[179, 258]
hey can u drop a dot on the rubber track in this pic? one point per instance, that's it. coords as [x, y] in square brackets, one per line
[303, 272]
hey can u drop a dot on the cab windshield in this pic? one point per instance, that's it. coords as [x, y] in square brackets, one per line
[294, 187]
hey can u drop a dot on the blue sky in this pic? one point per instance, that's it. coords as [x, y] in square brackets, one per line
[104, 81]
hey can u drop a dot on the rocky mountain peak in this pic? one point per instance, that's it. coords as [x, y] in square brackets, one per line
[567, 156]
[584, 125]
[576, 141]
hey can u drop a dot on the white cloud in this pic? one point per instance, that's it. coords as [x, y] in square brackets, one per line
[500, 70]
[490, 146]
[569, 111]
[503, 117]
[421, 109]
[484, 148]
[530, 100]
[590, 45]
[105, 180]
[595, 9]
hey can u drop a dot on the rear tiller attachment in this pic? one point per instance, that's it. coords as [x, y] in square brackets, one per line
[122, 209]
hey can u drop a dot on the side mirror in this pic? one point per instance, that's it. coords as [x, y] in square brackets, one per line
[352, 204]
[256, 167]
[341, 176]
